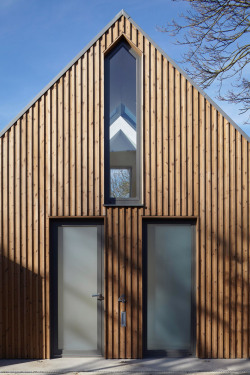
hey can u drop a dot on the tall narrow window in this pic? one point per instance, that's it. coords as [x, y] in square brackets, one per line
[122, 140]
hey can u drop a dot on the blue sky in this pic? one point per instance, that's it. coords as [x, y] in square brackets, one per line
[38, 38]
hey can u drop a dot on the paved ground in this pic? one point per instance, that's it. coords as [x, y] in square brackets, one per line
[144, 366]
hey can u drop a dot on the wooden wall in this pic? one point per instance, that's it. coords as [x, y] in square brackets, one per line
[194, 164]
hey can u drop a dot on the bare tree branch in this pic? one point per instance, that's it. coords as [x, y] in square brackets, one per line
[217, 34]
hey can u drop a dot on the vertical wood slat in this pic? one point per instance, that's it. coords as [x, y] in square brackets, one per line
[140, 287]
[184, 208]
[141, 46]
[245, 247]
[17, 265]
[101, 111]
[226, 254]
[220, 237]
[214, 229]
[165, 135]
[72, 137]
[85, 134]
[122, 283]
[177, 159]
[54, 144]
[128, 283]
[66, 144]
[115, 282]
[196, 155]
[202, 235]
[42, 223]
[121, 25]
[208, 232]
[11, 255]
[184, 146]
[147, 129]
[158, 126]
[1, 249]
[152, 133]
[109, 287]
[6, 352]
[115, 29]
[239, 270]
[134, 291]
[189, 149]
[194, 163]
[127, 27]
[90, 130]
[232, 242]
[60, 148]
[35, 229]
[196, 128]
[29, 281]
[23, 249]
[48, 153]
[78, 139]
[171, 143]
[97, 129]
[133, 33]
[29, 199]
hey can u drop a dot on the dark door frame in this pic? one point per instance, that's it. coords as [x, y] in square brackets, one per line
[54, 224]
[169, 220]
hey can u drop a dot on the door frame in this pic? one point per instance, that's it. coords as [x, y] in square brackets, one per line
[169, 220]
[54, 223]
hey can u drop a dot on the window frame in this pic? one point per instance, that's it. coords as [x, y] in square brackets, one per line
[108, 200]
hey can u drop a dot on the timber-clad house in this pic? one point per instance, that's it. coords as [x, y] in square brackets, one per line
[124, 212]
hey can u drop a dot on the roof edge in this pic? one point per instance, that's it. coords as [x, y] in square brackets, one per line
[206, 96]
[68, 66]
[61, 73]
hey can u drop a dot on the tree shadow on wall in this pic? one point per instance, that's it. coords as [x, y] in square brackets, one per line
[223, 297]
[21, 310]
[223, 330]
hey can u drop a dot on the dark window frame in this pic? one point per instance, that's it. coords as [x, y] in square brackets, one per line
[131, 201]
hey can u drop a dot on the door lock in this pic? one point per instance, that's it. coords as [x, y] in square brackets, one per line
[99, 296]
[122, 298]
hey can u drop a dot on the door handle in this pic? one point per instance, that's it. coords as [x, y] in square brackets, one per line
[99, 296]
[122, 298]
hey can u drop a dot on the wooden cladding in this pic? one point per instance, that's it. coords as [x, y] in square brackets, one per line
[194, 164]
[124, 276]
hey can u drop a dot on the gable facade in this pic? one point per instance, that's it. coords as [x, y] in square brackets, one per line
[195, 165]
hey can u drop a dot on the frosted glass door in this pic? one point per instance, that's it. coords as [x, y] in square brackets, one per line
[78, 277]
[169, 288]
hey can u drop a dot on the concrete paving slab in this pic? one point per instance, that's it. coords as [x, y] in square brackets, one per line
[119, 366]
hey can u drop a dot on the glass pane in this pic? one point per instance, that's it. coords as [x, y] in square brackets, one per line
[120, 182]
[169, 287]
[122, 123]
[77, 281]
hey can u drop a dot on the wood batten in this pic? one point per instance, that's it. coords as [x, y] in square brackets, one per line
[122, 38]
[194, 164]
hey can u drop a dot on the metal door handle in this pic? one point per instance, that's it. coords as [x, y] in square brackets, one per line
[122, 298]
[99, 296]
